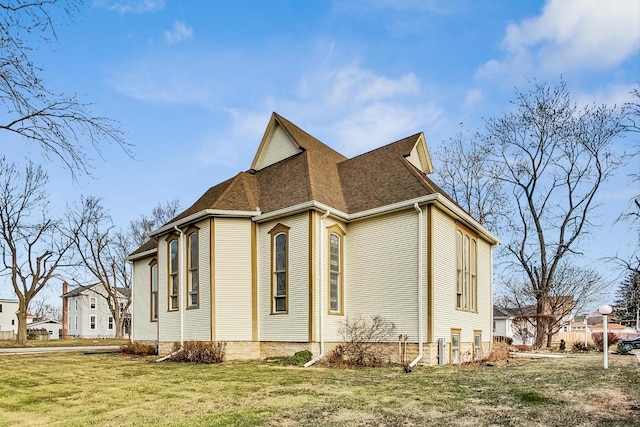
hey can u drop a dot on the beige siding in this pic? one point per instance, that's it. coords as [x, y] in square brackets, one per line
[382, 270]
[197, 323]
[143, 327]
[445, 315]
[293, 326]
[233, 279]
[279, 147]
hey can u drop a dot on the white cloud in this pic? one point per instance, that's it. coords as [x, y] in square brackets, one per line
[352, 84]
[131, 6]
[569, 35]
[473, 98]
[179, 32]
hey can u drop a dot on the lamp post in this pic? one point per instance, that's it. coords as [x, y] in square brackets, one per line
[605, 310]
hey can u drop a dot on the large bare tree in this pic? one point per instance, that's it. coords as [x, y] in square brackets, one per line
[30, 111]
[553, 158]
[463, 172]
[103, 253]
[33, 245]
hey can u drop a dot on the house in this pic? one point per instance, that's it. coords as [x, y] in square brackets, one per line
[86, 312]
[54, 327]
[8, 318]
[279, 257]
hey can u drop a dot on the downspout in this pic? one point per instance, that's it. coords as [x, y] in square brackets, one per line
[320, 296]
[131, 337]
[181, 267]
[420, 280]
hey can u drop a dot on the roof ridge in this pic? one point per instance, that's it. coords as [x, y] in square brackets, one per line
[415, 135]
[287, 123]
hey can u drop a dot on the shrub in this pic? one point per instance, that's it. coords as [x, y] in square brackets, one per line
[200, 352]
[499, 352]
[138, 349]
[298, 359]
[598, 339]
[363, 342]
[582, 347]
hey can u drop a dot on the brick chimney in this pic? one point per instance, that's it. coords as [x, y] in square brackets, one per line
[65, 311]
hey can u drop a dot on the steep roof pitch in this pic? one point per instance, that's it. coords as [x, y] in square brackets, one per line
[292, 167]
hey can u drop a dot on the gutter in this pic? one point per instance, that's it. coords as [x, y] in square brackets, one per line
[320, 296]
[205, 213]
[415, 361]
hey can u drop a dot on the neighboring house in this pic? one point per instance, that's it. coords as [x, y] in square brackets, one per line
[277, 258]
[8, 318]
[53, 326]
[87, 313]
[512, 323]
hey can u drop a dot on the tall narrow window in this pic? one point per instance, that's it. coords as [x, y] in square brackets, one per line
[193, 284]
[477, 345]
[336, 283]
[93, 322]
[279, 266]
[154, 290]
[174, 278]
[110, 322]
[466, 271]
[0, 308]
[92, 302]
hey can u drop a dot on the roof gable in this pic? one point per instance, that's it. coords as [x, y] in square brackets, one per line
[276, 145]
[419, 156]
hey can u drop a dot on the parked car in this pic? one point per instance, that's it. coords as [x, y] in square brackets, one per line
[625, 345]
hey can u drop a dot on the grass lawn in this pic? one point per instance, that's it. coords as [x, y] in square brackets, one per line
[119, 390]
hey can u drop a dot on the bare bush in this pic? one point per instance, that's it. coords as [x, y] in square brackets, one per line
[364, 342]
[138, 349]
[598, 339]
[499, 352]
[200, 352]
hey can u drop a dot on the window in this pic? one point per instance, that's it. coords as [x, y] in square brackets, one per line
[121, 307]
[93, 322]
[477, 345]
[467, 272]
[154, 290]
[455, 346]
[76, 322]
[0, 308]
[92, 302]
[76, 304]
[173, 274]
[279, 268]
[193, 279]
[336, 292]
[110, 323]
[13, 322]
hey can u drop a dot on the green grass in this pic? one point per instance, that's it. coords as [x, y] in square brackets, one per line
[75, 389]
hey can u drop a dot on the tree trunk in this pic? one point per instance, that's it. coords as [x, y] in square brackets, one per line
[21, 341]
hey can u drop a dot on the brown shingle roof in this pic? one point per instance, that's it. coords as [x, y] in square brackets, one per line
[319, 173]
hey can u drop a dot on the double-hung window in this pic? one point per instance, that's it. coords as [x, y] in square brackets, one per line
[93, 322]
[336, 265]
[193, 278]
[467, 271]
[279, 268]
[455, 346]
[92, 302]
[174, 277]
[154, 290]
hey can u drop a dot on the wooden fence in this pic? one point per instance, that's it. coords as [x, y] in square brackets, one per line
[7, 335]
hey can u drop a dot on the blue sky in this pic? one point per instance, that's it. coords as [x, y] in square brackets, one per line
[193, 83]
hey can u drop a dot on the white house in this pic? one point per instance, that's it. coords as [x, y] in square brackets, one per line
[87, 313]
[8, 318]
[277, 258]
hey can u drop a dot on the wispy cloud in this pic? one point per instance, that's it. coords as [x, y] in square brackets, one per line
[569, 35]
[130, 6]
[179, 32]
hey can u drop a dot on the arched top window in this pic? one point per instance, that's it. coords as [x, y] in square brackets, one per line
[279, 268]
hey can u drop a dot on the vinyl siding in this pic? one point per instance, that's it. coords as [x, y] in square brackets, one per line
[197, 322]
[293, 326]
[233, 279]
[143, 327]
[278, 148]
[382, 270]
[445, 315]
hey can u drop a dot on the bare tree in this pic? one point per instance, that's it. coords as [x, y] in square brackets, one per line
[103, 253]
[33, 245]
[41, 309]
[464, 174]
[61, 125]
[553, 158]
[140, 229]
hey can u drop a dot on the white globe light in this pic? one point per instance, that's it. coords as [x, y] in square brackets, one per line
[605, 309]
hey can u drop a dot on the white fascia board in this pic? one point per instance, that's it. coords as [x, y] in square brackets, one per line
[468, 219]
[144, 254]
[300, 208]
[205, 213]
